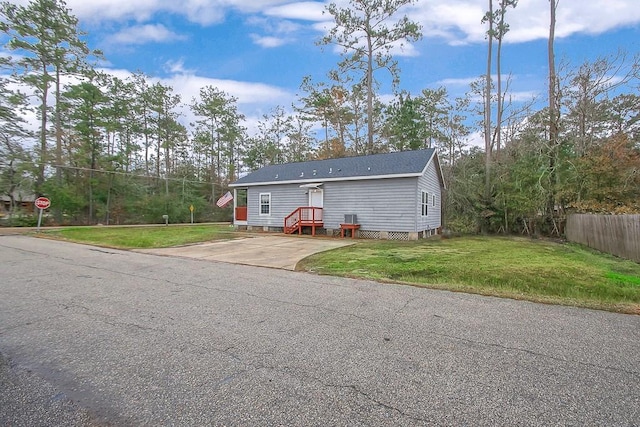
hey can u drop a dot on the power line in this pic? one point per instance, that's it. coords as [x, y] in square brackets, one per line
[125, 173]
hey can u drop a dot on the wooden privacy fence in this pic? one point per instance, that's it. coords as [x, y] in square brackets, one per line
[614, 234]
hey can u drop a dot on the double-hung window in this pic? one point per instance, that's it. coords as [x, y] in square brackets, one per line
[265, 203]
[425, 203]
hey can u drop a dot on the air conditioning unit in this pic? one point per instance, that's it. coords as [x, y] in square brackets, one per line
[350, 219]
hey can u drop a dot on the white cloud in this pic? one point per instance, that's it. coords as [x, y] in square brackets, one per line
[112, 10]
[402, 48]
[267, 41]
[143, 34]
[120, 73]
[453, 20]
[249, 94]
[522, 96]
[305, 10]
[459, 21]
[253, 99]
[286, 27]
[204, 12]
[465, 81]
[386, 98]
[475, 139]
[278, 32]
[176, 67]
[281, 26]
[399, 48]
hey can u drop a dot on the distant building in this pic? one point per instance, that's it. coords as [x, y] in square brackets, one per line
[22, 202]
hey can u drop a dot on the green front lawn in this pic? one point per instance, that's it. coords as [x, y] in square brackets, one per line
[143, 236]
[535, 270]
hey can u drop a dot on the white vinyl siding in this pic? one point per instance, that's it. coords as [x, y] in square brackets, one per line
[265, 204]
[380, 204]
[430, 183]
[284, 200]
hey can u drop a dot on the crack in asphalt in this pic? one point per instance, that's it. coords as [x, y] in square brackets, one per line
[354, 388]
[229, 378]
[535, 353]
[105, 251]
[367, 396]
[126, 324]
[29, 323]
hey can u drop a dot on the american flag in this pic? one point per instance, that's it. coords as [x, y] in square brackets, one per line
[222, 201]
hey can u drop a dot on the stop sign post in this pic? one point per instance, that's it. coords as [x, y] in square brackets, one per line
[41, 203]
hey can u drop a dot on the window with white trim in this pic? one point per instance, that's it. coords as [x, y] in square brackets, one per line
[265, 203]
[433, 200]
[425, 203]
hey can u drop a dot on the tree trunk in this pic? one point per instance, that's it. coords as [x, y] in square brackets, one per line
[499, 81]
[146, 142]
[107, 218]
[57, 210]
[369, 149]
[553, 113]
[487, 118]
[158, 154]
[43, 132]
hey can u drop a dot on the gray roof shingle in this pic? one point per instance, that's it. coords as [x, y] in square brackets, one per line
[374, 165]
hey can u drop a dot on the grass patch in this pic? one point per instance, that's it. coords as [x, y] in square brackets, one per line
[535, 270]
[142, 236]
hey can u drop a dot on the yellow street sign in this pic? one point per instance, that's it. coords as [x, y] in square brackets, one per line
[191, 208]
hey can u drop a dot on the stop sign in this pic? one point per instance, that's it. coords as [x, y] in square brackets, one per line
[42, 203]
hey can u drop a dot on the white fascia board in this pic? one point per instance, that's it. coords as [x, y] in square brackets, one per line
[428, 163]
[351, 178]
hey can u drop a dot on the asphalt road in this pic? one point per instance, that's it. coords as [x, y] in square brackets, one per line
[92, 336]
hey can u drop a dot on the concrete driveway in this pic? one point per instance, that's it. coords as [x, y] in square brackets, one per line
[275, 251]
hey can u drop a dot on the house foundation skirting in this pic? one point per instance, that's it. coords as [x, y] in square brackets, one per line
[361, 234]
[265, 228]
[374, 234]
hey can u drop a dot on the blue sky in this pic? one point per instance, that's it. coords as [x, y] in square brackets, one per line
[260, 50]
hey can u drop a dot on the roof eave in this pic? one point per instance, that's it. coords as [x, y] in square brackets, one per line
[337, 179]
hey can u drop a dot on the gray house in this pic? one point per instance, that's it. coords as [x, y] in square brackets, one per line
[389, 196]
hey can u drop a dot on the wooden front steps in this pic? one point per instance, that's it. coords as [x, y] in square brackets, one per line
[304, 216]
